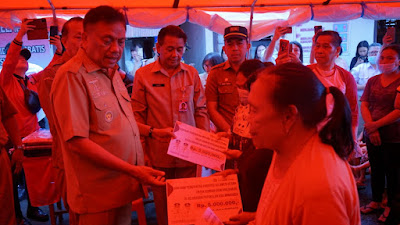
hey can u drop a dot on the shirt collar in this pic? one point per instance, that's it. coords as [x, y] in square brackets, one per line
[227, 65]
[158, 67]
[90, 65]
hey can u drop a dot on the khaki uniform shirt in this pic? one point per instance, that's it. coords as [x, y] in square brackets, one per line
[89, 103]
[44, 96]
[221, 88]
[157, 99]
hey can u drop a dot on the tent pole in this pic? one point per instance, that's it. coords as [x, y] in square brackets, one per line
[251, 22]
[53, 9]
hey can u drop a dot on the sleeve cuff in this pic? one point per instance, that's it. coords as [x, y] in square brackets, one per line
[17, 42]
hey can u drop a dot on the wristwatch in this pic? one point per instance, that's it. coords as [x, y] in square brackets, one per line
[19, 147]
[151, 132]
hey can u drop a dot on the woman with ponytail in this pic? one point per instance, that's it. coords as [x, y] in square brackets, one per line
[309, 181]
[381, 113]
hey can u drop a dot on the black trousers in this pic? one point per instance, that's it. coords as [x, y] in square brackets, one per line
[383, 160]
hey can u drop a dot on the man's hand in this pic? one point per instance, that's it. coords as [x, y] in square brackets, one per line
[286, 58]
[226, 172]
[56, 41]
[375, 138]
[164, 134]
[16, 160]
[279, 32]
[387, 40]
[241, 219]
[149, 176]
[233, 154]
[24, 29]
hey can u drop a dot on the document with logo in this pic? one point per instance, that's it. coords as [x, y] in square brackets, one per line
[195, 200]
[198, 146]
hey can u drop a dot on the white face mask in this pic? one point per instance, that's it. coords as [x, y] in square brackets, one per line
[388, 68]
[243, 95]
[372, 59]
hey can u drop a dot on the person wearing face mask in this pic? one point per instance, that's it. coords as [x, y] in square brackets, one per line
[382, 128]
[364, 71]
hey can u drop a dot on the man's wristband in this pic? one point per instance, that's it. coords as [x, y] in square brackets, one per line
[151, 132]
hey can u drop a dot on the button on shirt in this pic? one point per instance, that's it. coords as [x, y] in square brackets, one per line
[221, 88]
[157, 101]
[92, 104]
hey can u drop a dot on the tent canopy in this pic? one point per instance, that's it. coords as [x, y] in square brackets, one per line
[212, 14]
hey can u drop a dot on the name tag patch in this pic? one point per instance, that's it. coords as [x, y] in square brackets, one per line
[158, 85]
[225, 84]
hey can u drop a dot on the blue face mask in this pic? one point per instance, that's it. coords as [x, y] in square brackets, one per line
[372, 59]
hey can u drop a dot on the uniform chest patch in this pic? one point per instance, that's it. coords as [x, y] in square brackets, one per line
[109, 116]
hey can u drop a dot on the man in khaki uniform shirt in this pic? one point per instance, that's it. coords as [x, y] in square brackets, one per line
[164, 92]
[221, 91]
[93, 116]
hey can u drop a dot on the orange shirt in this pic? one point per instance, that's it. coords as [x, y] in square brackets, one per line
[27, 122]
[156, 101]
[317, 188]
[7, 109]
[89, 103]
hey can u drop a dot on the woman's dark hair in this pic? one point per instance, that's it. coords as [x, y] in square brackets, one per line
[300, 47]
[253, 77]
[255, 54]
[297, 85]
[249, 68]
[360, 45]
[394, 47]
[214, 58]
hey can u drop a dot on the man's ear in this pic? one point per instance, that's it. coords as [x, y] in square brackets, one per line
[158, 47]
[84, 39]
[338, 51]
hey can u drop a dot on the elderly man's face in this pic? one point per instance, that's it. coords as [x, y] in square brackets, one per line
[73, 40]
[325, 51]
[104, 43]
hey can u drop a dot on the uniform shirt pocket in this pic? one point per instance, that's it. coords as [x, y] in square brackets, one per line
[106, 114]
[225, 88]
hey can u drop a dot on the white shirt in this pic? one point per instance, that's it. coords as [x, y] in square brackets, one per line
[363, 72]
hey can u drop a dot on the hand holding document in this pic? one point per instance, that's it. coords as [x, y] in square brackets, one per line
[196, 200]
[198, 146]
